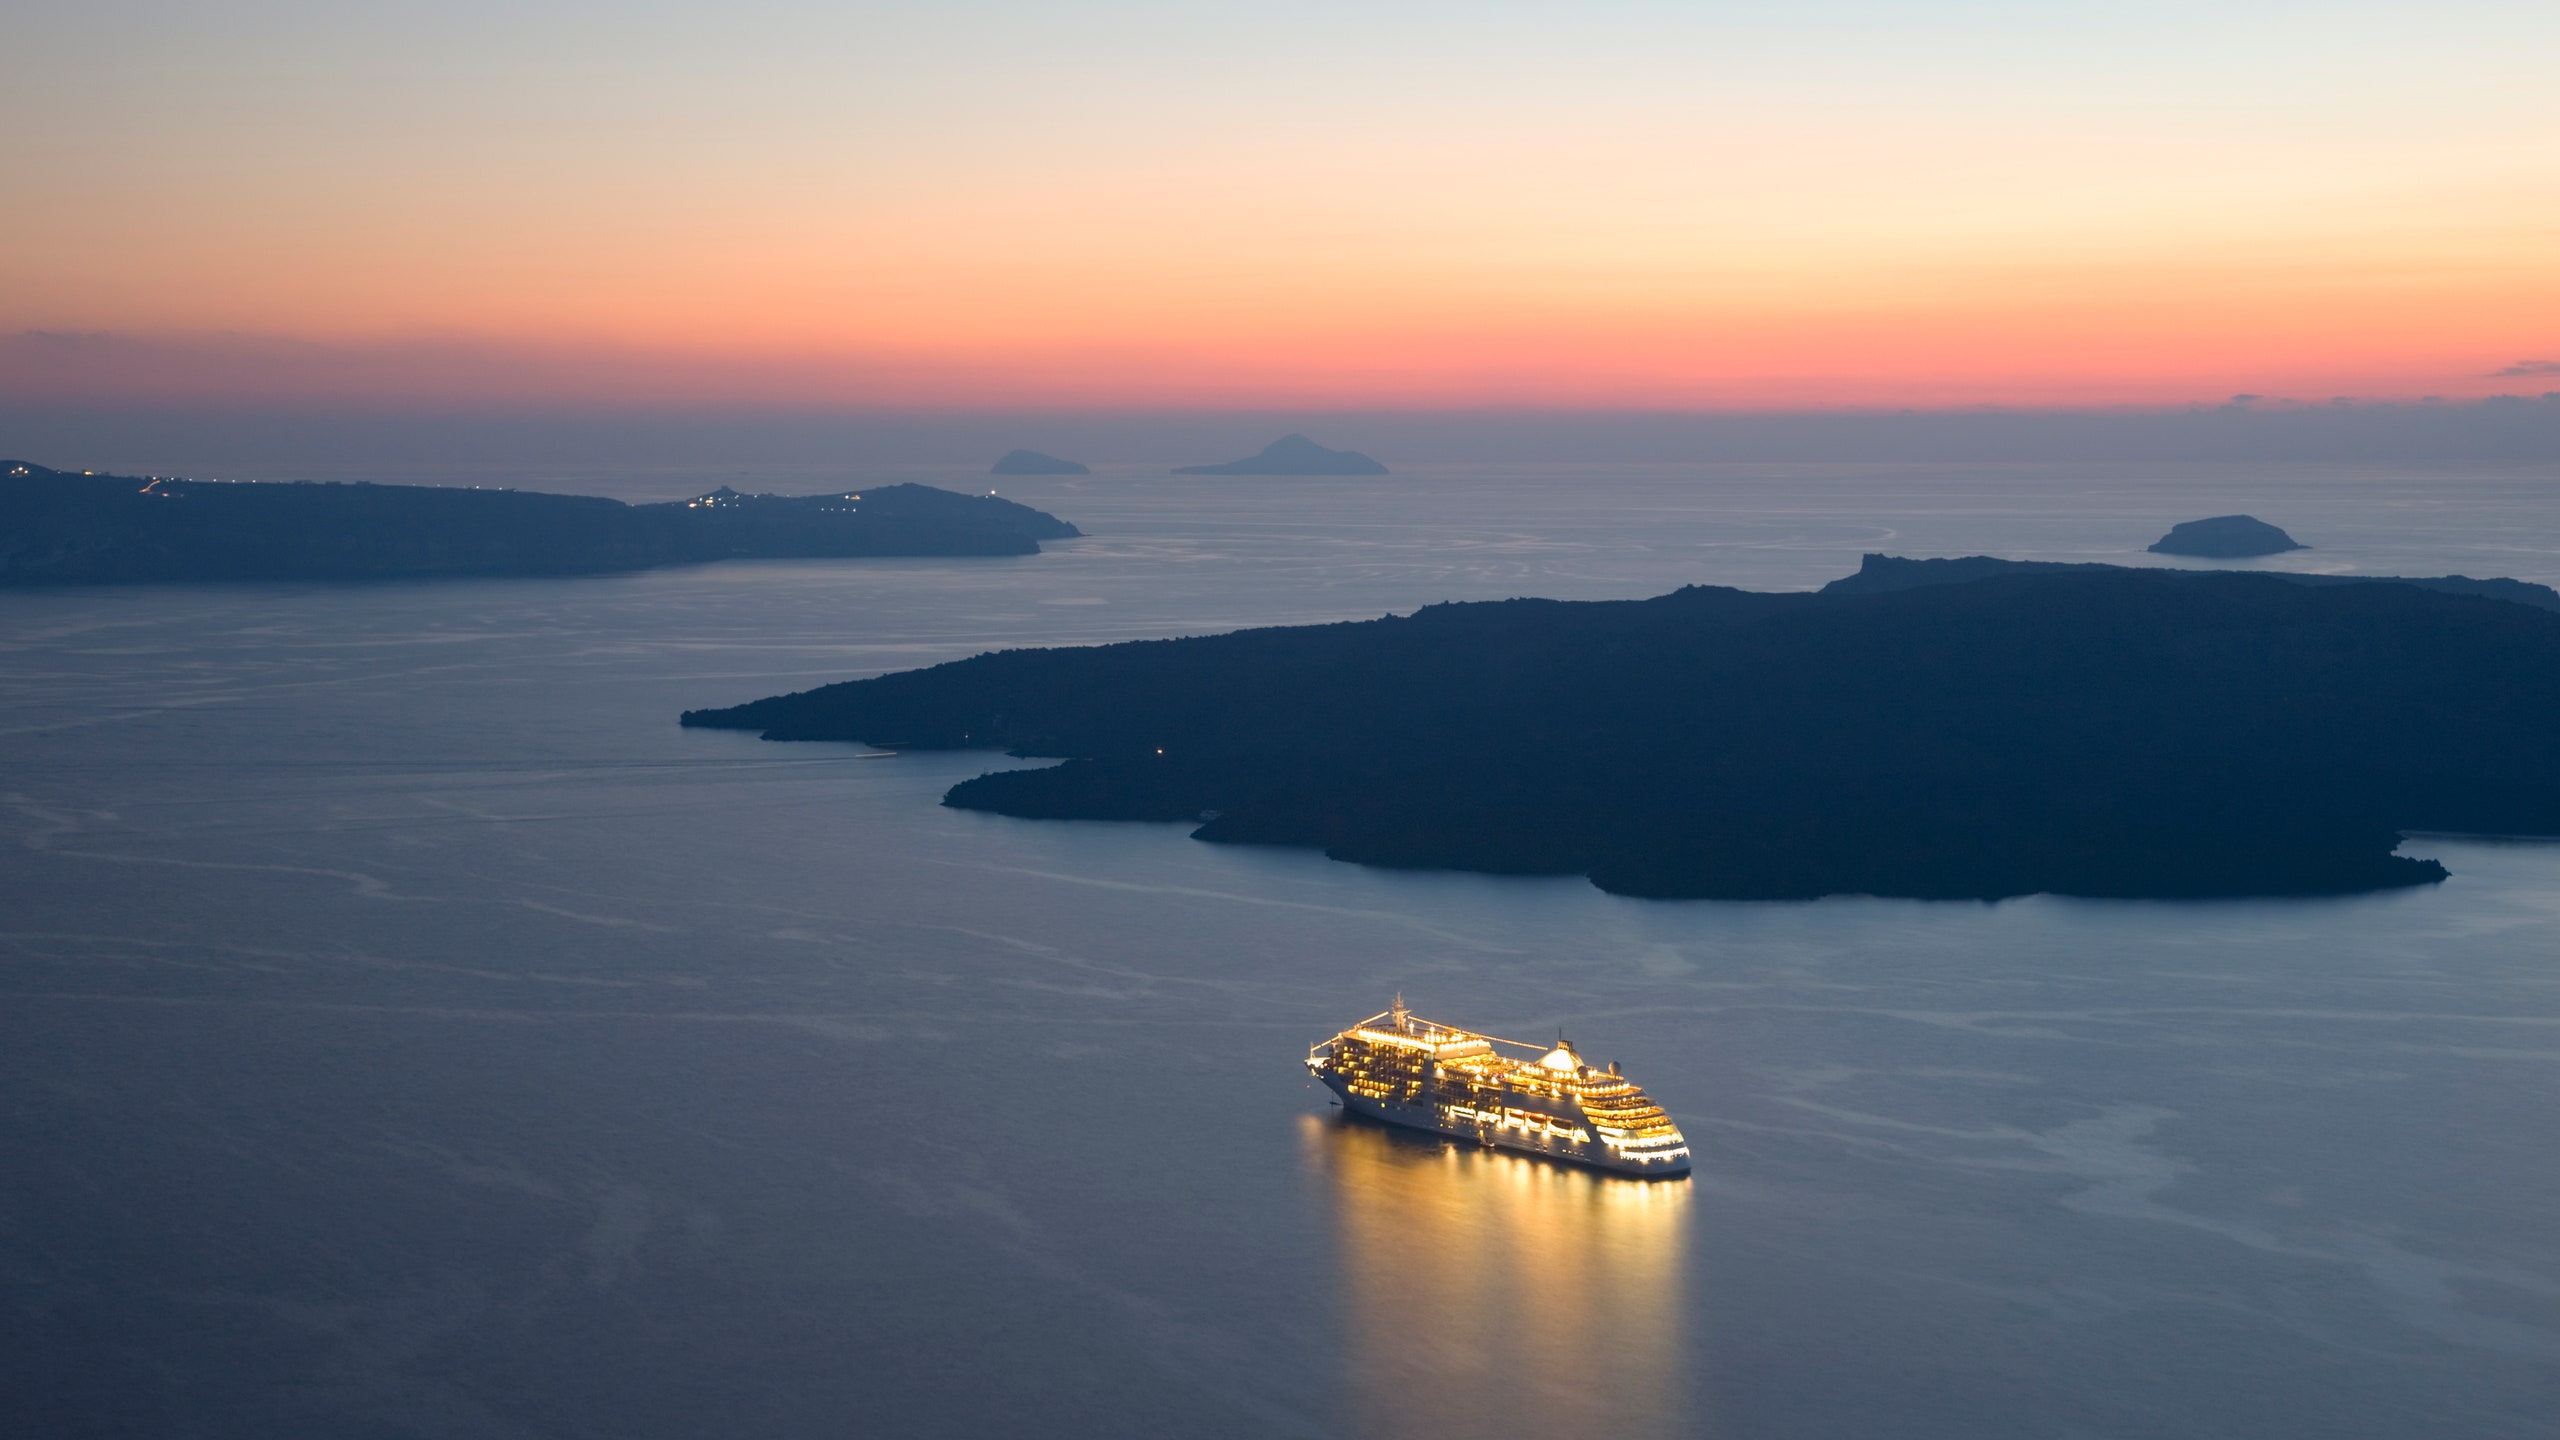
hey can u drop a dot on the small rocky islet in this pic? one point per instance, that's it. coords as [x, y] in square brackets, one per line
[1032, 462]
[1292, 455]
[2225, 537]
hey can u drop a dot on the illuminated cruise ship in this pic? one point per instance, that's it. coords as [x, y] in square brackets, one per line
[1406, 1070]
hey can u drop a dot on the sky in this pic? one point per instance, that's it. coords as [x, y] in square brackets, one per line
[975, 203]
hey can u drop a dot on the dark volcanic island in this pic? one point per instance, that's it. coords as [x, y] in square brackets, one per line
[1979, 730]
[93, 529]
[2225, 537]
[1032, 462]
[1292, 455]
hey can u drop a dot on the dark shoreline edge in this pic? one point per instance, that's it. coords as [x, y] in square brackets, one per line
[1935, 729]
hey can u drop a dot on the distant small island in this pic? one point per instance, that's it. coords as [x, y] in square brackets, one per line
[1963, 729]
[1292, 455]
[1032, 462]
[67, 528]
[2225, 537]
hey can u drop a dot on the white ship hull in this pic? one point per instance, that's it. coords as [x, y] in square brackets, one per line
[1544, 1141]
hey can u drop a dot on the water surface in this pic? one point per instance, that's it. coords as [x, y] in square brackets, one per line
[406, 1030]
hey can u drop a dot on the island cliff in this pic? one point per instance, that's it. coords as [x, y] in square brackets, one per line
[2093, 732]
[94, 529]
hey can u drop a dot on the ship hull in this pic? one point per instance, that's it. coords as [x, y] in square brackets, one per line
[1435, 1118]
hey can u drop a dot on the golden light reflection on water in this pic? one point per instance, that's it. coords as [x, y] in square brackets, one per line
[1489, 1294]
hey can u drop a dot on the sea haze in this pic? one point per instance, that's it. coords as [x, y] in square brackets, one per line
[406, 1029]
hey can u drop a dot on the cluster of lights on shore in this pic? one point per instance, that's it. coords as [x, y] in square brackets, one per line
[731, 500]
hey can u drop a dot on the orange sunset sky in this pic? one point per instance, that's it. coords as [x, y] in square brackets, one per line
[1828, 204]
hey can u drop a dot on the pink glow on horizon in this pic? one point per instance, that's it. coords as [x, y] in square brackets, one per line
[1410, 205]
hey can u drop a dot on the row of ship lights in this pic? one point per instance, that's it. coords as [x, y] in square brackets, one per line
[1560, 1059]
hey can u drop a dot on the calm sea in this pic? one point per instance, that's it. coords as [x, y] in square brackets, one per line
[406, 1030]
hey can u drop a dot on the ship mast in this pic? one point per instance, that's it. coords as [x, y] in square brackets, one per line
[1397, 1013]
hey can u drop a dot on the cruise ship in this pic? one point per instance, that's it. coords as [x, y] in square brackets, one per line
[1400, 1068]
